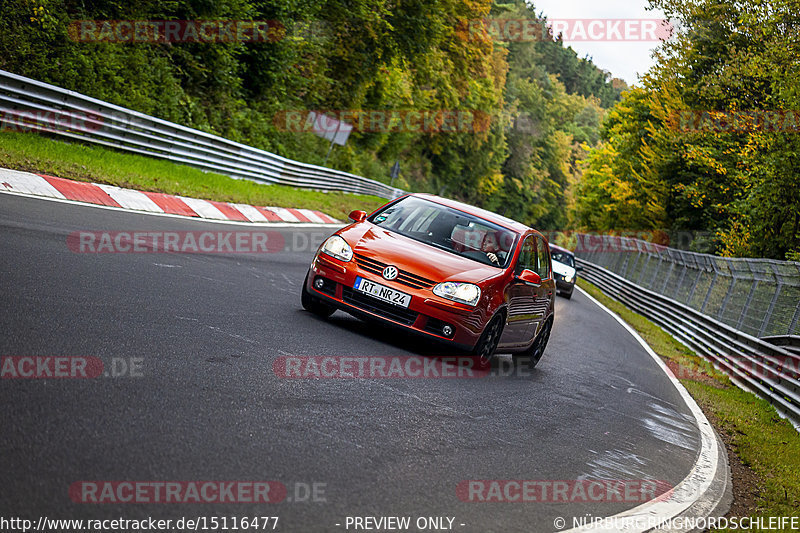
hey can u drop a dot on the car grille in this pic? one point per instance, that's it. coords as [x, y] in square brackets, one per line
[403, 277]
[373, 305]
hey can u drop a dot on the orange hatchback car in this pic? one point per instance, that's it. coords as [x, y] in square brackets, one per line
[440, 268]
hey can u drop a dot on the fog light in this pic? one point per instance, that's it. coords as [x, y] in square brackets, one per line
[319, 283]
[447, 331]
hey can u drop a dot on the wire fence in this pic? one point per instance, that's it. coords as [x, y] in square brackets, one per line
[757, 365]
[760, 297]
[30, 105]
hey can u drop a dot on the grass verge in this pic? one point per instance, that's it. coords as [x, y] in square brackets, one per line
[762, 442]
[41, 154]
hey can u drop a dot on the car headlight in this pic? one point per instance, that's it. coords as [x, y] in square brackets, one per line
[337, 247]
[465, 293]
[568, 279]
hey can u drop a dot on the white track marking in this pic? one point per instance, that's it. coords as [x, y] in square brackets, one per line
[284, 214]
[27, 183]
[251, 213]
[203, 208]
[131, 199]
[311, 215]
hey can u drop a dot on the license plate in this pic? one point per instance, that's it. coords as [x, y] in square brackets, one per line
[381, 292]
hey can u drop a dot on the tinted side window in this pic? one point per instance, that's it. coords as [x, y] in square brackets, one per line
[527, 255]
[542, 259]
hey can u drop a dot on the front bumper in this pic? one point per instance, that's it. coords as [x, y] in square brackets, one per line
[427, 314]
[564, 287]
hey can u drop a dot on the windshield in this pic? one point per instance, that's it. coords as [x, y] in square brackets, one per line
[563, 257]
[448, 229]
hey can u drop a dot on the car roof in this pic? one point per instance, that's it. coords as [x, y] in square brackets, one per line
[476, 211]
[560, 249]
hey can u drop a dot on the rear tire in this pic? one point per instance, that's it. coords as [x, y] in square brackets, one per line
[536, 351]
[313, 305]
[490, 338]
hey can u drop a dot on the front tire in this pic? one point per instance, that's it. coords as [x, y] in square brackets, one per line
[490, 338]
[313, 305]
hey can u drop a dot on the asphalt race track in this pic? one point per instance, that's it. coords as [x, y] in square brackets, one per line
[204, 404]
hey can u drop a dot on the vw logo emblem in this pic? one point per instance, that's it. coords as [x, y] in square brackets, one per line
[390, 272]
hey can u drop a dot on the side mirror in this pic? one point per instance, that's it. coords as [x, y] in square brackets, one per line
[530, 277]
[357, 216]
[578, 268]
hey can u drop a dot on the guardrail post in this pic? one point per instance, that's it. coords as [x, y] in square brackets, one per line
[727, 296]
[710, 288]
[694, 286]
[626, 256]
[767, 317]
[680, 280]
[652, 283]
[747, 303]
[795, 318]
[639, 254]
[632, 268]
[644, 268]
[666, 278]
[620, 257]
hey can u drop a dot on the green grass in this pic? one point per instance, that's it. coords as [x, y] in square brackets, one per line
[42, 154]
[764, 442]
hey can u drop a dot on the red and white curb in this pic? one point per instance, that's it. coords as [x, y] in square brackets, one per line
[30, 184]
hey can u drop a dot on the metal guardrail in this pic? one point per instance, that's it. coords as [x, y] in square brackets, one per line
[788, 342]
[760, 297]
[34, 105]
[769, 371]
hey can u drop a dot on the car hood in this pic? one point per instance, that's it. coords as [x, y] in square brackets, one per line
[413, 256]
[564, 270]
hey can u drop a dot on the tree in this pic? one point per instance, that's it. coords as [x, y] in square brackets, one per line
[707, 143]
